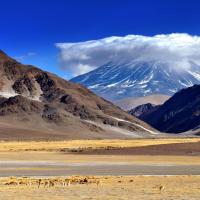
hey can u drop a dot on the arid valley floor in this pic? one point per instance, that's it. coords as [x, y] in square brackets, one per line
[101, 169]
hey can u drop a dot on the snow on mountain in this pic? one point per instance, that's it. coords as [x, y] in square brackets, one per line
[137, 79]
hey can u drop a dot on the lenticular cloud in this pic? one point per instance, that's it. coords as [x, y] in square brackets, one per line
[175, 50]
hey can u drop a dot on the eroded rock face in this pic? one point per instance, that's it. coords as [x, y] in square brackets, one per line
[67, 99]
[19, 105]
[51, 114]
[28, 87]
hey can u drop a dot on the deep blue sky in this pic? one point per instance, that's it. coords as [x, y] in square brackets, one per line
[30, 28]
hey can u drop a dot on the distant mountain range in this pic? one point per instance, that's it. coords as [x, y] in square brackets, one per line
[178, 114]
[133, 102]
[35, 104]
[143, 109]
[137, 79]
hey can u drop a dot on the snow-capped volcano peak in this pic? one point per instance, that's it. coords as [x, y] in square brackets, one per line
[134, 65]
[138, 78]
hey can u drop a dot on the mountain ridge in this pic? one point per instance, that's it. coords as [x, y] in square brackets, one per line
[138, 79]
[180, 113]
[34, 99]
[143, 109]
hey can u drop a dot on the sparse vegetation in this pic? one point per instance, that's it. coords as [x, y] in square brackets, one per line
[100, 187]
[80, 145]
[49, 182]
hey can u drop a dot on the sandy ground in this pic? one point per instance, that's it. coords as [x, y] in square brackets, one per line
[107, 160]
[111, 188]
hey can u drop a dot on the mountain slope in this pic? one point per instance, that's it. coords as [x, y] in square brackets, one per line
[38, 101]
[137, 79]
[143, 109]
[178, 114]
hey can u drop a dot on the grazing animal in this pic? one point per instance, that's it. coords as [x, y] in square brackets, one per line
[51, 183]
[85, 180]
[24, 181]
[12, 182]
[46, 183]
[39, 182]
[98, 182]
[67, 182]
[161, 188]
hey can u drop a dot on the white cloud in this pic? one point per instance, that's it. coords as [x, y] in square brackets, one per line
[21, 58]
[176, 50]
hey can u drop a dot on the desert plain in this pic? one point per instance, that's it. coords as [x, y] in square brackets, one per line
[161, 168]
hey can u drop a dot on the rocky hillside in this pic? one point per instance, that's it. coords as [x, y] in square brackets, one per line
[143, 109]
[178, 114]
[42, 105]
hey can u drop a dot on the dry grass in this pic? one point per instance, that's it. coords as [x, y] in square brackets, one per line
[97, 188]
[48, 182]
[81, 144]
[108, 188]
[71, 158]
